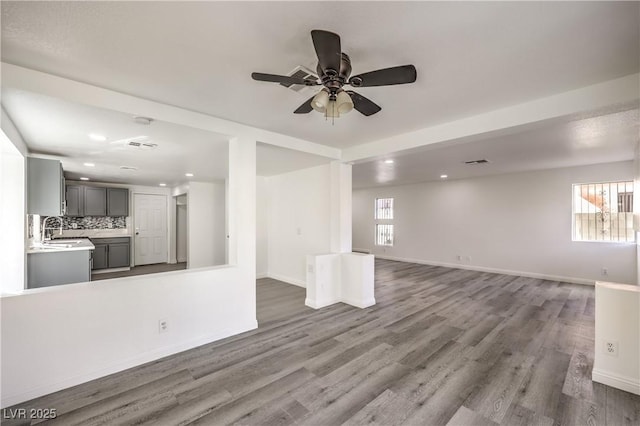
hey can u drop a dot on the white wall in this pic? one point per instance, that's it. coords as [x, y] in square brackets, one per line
[12, 217]
[13, 152]
[70, 334]
[517, 222]
[262, 203]
[206, 212]
[299, 221]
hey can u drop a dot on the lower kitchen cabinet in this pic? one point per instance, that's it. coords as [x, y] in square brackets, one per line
[61, 267]
[100, 260]
[111, 252]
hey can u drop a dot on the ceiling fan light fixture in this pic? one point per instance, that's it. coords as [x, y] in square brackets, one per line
[344, 102]
[320, 101]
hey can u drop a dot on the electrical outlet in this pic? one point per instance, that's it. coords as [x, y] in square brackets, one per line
[163, 326]
[310, 269]
[611, 347]
[604, 271]
[459, 258]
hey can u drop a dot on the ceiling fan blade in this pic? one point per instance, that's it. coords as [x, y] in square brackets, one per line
[305, 107]
[283, 79]
[362, 104]
[385, 77]
[327, 45]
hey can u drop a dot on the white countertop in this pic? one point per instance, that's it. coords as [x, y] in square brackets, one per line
[95, 233]
[55, 246]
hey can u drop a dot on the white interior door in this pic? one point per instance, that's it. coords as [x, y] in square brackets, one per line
[150, 224]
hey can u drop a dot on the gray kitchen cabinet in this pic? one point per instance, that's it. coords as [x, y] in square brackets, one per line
[111, 252]
[117, 202]
[83, 200]
[118, 255]
[55, 268]
[95, 201]
[100, 260]
[75, 200]
[45, 187]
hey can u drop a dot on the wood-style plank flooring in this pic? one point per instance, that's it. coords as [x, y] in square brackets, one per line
[441, 347]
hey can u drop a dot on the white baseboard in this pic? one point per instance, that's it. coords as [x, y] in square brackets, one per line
[317, 305]
[572, 280]
[359, 303]
[361, 250]
[9, 400]
[262, 275]
[624, 383]
[287, 280]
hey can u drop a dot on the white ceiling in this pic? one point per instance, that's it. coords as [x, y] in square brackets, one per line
[59, 129]
[471, 56]
[600, 139]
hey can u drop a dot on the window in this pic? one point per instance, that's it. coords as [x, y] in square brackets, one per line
[384, 235]
[384, 208]
[603, 212]
[384, 214]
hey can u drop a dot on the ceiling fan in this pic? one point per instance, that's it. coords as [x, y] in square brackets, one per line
[334, 71]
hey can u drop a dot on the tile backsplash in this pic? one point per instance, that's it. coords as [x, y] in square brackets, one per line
[94, 222]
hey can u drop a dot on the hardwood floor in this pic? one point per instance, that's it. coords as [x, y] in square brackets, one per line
[441, 346]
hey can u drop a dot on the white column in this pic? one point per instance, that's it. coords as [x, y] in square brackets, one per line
[341, 213]
[241, 210]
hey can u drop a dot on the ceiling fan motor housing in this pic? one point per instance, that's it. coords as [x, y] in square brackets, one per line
[333, 80]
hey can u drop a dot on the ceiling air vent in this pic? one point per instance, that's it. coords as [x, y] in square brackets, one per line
[306, 74]
[483, 161]
[142, 145]
[128, 168]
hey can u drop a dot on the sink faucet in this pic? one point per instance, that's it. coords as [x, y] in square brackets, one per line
[44, 227]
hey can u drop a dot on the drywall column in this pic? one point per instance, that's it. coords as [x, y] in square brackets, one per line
[357, 279]
[12, 214]
[340, 276]
[617, 336]
[341, 215]
[13, 261]
[323, 280]
[241, 211]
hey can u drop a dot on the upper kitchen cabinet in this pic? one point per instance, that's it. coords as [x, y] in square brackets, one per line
[83, 200]
[95, 201]
[75, 200]
[117, 202]
[45, 187]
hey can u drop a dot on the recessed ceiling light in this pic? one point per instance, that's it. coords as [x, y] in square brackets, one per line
[97, 137]
[163, 184]
[84, 178]
[188, 174]
[388, 161]
[443, 176]
[89, 164]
